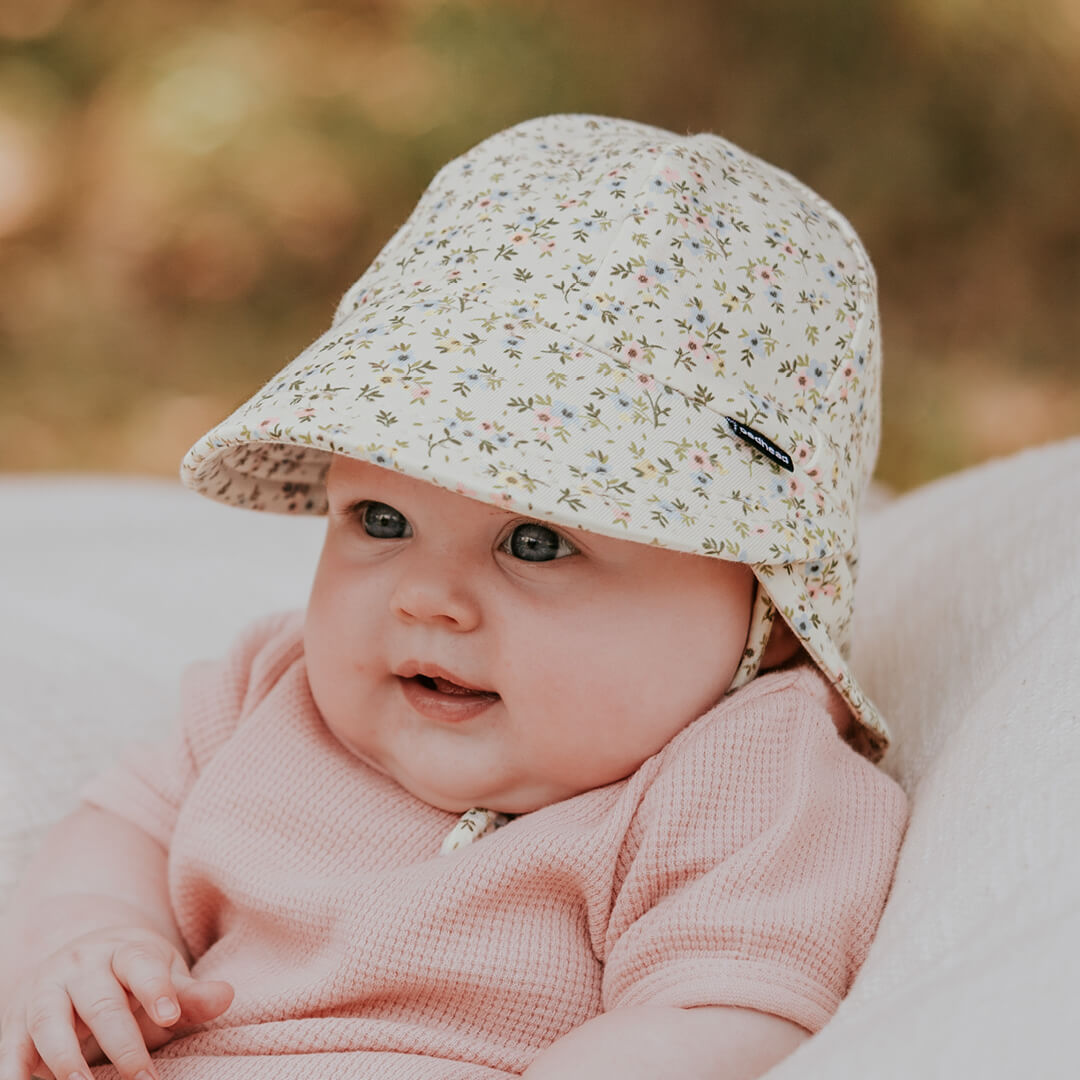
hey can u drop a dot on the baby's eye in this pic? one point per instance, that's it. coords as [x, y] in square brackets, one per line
[534, 542]
[383, 522]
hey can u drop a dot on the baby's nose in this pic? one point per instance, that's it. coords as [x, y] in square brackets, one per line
[436, 592]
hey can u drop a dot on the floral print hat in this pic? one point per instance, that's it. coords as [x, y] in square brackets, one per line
[608, 326]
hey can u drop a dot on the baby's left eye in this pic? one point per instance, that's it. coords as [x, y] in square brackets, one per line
[533, 542]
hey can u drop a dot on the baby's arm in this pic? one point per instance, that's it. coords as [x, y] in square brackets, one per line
[94, 869]
[649, 1042]
[89, 946]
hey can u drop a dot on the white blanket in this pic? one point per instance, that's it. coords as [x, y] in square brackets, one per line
[967, 637]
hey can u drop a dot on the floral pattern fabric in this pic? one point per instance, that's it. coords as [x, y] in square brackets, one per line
[567, 325]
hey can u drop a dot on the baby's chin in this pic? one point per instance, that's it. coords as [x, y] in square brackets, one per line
[510, 801]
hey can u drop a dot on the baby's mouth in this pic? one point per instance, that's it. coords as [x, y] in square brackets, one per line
[452, 689]
[442, 699]
[434, 692]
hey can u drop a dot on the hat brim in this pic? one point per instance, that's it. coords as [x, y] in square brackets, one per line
[678, 477]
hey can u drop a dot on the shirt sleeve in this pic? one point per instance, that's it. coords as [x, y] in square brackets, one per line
[150, 781]
[758, 863]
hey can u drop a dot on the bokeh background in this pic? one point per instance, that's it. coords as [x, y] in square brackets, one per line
[187, 186]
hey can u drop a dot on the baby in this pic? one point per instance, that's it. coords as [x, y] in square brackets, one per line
[538, 784]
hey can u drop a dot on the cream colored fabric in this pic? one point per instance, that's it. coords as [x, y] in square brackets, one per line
[967, 630]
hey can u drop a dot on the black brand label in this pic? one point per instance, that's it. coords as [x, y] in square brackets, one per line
[759, 442]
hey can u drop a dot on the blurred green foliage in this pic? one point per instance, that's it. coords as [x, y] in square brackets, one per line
[186, 187]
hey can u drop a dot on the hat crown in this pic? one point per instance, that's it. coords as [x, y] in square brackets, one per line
[686, 260]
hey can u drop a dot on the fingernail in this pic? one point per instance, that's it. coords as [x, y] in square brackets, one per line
[143, 1075]
[166, 1009]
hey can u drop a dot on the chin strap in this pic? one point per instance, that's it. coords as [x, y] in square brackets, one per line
[761, 619]
[472, 825]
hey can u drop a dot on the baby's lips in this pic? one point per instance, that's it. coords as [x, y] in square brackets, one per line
[445, 686]
[442, 679]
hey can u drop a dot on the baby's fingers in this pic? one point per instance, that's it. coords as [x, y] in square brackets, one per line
[18, 1056]
[103, 1005]
[52, 1041]
[200, 999]
[147, 974]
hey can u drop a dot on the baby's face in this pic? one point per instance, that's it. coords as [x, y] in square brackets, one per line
[481, 658]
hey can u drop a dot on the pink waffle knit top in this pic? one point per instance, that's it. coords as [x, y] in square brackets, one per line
[746, 863]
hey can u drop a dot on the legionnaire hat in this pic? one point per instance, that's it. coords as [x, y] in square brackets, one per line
[612, 327]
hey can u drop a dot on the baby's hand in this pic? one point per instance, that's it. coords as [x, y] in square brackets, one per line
[113, 994]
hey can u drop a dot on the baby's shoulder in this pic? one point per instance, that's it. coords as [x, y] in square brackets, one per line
[217, 694]
[769, 751]
[785, 700]
[270, 643]
[783, 720]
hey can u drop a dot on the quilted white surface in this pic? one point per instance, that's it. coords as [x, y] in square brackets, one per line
[969, 618]
[968, 631]
[108, 588]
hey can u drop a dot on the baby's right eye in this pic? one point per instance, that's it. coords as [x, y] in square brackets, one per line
[383, 522]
